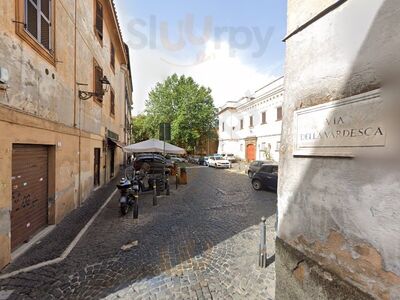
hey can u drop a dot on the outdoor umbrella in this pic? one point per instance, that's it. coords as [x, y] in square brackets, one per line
[153, 145]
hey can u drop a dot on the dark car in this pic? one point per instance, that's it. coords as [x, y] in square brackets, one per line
[155, 161]
[266, 178]
[202, 161]
[255, 166]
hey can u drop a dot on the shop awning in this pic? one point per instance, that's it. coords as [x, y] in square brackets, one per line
[154, 146]
[116, 143]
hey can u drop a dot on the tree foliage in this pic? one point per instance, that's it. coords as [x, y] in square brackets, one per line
[189, 108]
[142, 130]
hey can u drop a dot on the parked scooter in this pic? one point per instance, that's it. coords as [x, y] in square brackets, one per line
[129, 190]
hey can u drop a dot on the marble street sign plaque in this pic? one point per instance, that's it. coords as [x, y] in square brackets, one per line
[341, 128]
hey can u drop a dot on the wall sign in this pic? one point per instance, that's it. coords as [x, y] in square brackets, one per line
[340, 128]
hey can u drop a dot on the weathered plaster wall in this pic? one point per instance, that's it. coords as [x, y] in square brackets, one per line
[305, 11]
[31, 89]
[342, 213]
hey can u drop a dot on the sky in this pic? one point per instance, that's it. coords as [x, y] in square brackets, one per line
[233, 47]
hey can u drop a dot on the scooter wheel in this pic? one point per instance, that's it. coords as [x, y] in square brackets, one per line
[124, 209]
[135, 210]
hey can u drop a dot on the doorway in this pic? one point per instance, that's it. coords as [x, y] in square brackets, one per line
[29, 212]
[112, 164]
[96, 172]
[251, 152]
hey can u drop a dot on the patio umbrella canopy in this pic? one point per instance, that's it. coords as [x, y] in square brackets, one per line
[153, 145]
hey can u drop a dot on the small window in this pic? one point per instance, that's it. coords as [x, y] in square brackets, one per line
[99, 20]
[251, 122]
[98, 87]
[38, 21]
[112, 56]
[264, 118]
[223, 126]
[241, 124]
[112, 103]
[279, 113]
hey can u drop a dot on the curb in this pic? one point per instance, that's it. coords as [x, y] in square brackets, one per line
[67, 251]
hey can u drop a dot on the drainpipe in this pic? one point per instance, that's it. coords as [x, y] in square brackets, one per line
[76, 116]
[75, 79]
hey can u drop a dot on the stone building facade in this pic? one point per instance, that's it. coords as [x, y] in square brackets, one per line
[251, 127]
[55, 147]
[338, 220]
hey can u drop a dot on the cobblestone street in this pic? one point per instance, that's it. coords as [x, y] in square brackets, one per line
[199, 243]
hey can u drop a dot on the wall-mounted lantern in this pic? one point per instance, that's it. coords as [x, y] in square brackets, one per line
[84, 95]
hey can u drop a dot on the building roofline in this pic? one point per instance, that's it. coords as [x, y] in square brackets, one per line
[117, 25]
[236, 104]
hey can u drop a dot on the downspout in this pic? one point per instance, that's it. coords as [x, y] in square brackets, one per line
[75, 107]
[75, 79]
[126, 75]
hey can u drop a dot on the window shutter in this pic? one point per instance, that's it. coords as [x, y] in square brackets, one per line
[45, 8]
[112, 56]
[45, 33]
[45, 26]
[99, 20]
[98, 85]
[31, 18]
[112, 103]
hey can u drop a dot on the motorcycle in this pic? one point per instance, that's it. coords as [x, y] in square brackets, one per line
[129, 196]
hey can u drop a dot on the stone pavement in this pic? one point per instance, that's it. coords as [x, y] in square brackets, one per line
[53, 244]
[199, 243]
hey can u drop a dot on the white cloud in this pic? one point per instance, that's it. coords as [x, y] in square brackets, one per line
[215, 67]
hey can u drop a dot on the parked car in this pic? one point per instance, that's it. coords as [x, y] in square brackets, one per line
[218, 162]
[206, 158]
[255, 166]
[201, 161]
[168, 162]
[266, 178]
[177, 159]
[229, 157]
[154, 160]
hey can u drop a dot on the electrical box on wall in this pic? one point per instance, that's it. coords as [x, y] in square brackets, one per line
[4, 76]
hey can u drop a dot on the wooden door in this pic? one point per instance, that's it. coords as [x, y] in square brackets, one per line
[251, 152]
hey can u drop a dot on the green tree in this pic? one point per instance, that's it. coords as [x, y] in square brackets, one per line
[189, 108]
[142, 130]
